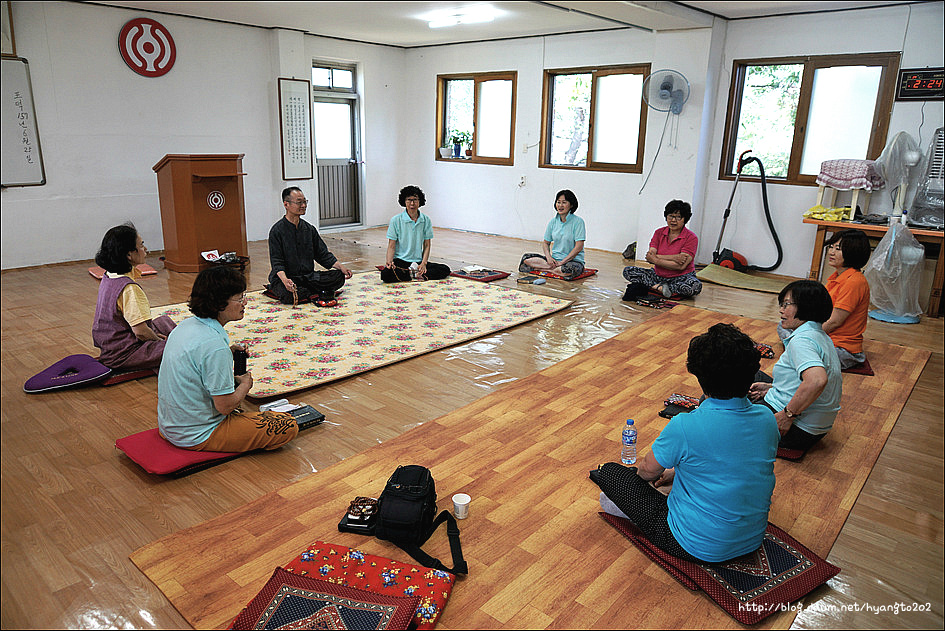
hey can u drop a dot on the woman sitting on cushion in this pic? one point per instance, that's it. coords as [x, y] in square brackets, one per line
[719, 459]
[198, 396]
[563, 245]
[672, 253]
[847, 252]
[806, 388]
[409, 236]
[123, 329]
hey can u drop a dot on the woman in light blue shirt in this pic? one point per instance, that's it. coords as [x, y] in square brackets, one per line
[806, 388]
[563, 244]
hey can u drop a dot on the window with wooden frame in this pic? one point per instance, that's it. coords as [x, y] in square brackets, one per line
[476, 112]
[793, 113]
[593, 119]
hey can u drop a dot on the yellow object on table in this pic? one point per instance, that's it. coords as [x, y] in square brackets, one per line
[825, 213]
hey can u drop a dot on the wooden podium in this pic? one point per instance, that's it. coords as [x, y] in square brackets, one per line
[201, 207]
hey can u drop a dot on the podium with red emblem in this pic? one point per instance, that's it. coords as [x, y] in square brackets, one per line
[202, 208]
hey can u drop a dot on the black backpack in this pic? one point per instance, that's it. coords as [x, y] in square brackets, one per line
[406, 516]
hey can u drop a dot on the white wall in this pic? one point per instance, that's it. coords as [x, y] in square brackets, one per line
[916, 30]
[488, 198]
[102, 127]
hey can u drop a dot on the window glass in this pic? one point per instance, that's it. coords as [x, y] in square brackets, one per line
[341, 78]
[459, 109]
[617, 127]
[332, 130]
[321, 77]
[842, 102]
[494, 126]
[571, 111]
[768, 108]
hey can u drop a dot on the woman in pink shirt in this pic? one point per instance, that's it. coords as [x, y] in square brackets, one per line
[672, 253]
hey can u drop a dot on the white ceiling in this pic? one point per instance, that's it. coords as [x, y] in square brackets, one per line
[404, 24]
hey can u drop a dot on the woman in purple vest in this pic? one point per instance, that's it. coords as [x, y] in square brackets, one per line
[123, 329]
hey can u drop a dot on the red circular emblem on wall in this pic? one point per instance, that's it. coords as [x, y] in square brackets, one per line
[147, 47]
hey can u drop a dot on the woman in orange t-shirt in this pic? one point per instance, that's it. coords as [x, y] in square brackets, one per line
[847, 252]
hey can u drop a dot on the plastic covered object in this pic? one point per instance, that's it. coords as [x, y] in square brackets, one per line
[899, 156]
[894, 272]
[928, 206]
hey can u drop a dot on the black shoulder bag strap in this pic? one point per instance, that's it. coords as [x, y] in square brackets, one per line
[456, 550]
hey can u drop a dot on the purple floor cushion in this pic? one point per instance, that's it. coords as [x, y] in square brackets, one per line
[155, 455]
[69, 372]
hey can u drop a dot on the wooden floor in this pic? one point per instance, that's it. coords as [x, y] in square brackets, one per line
[73, 508]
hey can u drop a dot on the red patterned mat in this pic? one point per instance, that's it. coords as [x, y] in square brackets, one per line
[484, 276]
[751, 587]
[350, 567]
[862, 369]
[588, 271]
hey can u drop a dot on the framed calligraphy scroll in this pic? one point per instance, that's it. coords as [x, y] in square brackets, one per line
[21, 157]
[295, 115]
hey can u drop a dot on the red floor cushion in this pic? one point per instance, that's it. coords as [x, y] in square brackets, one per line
[155, 455]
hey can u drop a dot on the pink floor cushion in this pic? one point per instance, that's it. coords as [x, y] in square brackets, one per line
[155, 455]
[69, 372]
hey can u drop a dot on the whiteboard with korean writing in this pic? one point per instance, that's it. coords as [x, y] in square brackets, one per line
[22, 158]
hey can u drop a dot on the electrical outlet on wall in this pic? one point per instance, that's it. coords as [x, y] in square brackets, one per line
[521, 181]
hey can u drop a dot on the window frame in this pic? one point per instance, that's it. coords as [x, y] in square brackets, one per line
[544, 144]
[325, 90]
[441, 131]
[882, 109]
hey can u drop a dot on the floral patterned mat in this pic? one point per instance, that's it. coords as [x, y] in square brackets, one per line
[373, 325]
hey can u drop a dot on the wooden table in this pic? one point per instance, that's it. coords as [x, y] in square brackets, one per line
[878, 231]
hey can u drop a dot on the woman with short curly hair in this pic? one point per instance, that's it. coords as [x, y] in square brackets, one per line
[409, 237]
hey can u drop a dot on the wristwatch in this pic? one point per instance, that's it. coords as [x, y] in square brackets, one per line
[788, 413]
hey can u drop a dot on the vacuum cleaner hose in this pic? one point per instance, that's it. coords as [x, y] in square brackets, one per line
[774, 234]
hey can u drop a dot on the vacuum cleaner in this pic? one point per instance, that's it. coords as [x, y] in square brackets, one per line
[734, 260]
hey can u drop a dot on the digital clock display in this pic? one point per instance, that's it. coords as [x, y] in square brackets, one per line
[925, 84]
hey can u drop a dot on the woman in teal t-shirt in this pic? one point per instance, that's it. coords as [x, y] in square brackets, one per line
[563, 244]
[719, 459]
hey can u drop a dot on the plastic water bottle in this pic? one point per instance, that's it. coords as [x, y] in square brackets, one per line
[628, 447]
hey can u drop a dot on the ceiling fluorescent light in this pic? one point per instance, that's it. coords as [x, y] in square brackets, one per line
[451, 20]
[471, 15]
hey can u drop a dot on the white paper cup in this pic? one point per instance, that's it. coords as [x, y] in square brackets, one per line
[461, 505]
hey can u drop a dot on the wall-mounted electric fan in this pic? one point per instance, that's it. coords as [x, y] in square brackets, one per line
[665, 91]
